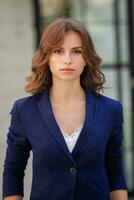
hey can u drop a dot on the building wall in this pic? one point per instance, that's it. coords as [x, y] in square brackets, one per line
[17, 42]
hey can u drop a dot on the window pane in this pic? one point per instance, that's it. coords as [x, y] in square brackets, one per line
[104, 37]
[128, 140]
[111, 82]
[124, 44]
[93, 10]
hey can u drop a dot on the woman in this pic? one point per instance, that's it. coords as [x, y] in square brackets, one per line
[73, 131]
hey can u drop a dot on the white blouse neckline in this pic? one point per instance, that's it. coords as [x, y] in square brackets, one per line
[71, 139]
[72, 134]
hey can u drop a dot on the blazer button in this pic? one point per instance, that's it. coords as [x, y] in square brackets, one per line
[72, 170]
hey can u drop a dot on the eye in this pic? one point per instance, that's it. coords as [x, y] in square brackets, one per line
[77, 51]
[57, 51]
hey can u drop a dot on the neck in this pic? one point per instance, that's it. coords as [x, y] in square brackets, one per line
[66, 92]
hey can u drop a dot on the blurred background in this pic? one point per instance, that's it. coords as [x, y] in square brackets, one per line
[111, 24]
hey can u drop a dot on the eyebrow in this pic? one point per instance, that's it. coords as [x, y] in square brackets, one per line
[72, 48]
[77, 47]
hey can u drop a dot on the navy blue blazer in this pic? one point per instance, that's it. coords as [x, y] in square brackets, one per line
[91, 171]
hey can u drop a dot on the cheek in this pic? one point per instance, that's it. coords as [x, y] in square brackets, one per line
[84, 62]
[51, 61]
[81, 63]
[54, 62]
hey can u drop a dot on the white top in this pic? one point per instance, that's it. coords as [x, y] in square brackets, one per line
[71, 139]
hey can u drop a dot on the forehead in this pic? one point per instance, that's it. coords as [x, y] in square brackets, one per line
[72, 39]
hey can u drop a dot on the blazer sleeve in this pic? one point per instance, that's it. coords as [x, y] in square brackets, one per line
[17, 154]
[114, 154]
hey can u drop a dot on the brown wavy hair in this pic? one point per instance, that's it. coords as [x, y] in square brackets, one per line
[53, 36]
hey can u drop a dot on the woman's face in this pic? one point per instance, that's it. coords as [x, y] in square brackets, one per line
[66, 61]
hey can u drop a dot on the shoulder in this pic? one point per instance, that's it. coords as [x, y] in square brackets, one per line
[108, 102]
[25, 103]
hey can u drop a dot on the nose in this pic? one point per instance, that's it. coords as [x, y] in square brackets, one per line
[67, 59]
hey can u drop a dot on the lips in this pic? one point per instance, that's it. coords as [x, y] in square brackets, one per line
[67, 69]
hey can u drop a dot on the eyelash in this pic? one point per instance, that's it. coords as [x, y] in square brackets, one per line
[77, 51]
[58, 51]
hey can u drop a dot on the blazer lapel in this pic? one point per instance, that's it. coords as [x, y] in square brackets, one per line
[45, 108]
[90, 120]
